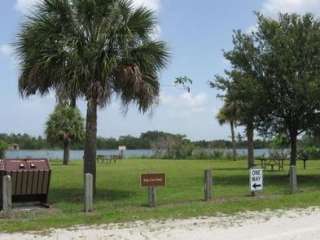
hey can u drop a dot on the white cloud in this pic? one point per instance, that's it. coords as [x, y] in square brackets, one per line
[151, 4]
[155, 6]
[186, 102]
[252, 28]
[156, 32]
[273, 7]
[6, 50]
[25, 6]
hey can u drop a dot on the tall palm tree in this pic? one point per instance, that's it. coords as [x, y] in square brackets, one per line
[228, 114]
[95, 49]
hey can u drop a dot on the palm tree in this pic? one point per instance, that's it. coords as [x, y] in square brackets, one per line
[65, 125]
[228, 114]
[95, 49]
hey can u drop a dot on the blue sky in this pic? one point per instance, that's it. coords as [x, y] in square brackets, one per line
[196, 32]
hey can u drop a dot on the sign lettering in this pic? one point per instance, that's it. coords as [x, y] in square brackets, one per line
[153, 180]
[256, 179]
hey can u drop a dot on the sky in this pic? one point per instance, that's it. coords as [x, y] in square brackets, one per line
[196, 32]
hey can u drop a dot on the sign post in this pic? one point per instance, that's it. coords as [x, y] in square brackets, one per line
[6, 194]
[152, 180]
[88, 193]
[256, 180]
[208, 185]
[122, 149]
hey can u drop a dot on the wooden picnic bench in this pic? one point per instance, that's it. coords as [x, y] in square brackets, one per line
[278, 161]
[108, 158]
[272, 163]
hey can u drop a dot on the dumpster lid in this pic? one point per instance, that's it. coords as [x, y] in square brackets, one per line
[26, 164]
[38, 164]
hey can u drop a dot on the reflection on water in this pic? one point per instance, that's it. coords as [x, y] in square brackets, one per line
[78, 154]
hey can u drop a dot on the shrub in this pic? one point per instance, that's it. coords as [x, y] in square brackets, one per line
[172, 147]
[3, 148]
[312, 152]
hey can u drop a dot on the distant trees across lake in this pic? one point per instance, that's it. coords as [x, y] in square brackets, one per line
[144, 141]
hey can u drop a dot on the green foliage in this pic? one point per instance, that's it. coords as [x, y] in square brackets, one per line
[94, 49]
[144, 141]
[275, 76]
[228, 113]
[289, 73]
[185, 82]
[65, 124]
[311, 152]
[3, 148]
[25, 141]
[280, 141]
[172, 147]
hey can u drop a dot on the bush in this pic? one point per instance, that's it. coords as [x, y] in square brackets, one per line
[172, 147]
[309, 153]
[207, 154]
[3, 148]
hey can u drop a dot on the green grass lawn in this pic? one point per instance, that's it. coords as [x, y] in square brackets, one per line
[120, 198]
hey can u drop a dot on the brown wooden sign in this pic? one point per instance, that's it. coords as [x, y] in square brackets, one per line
[153, 180]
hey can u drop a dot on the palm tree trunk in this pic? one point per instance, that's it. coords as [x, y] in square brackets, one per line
[66, 152]
[234, 151]
[91, 140]
[250, 132]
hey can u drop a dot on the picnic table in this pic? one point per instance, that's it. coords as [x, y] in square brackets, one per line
[278, 159]
[272, 163]
[109, 158]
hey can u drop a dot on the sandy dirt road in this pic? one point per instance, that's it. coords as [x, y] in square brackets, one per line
[298, 224]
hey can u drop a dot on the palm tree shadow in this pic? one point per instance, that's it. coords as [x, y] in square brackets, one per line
[114, 195]
[76, 195]
[230, 169]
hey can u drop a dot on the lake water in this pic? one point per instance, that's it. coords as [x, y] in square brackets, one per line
[74, 154]
[78, 154]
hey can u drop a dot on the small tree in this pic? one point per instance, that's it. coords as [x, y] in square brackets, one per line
[283, 57]
[3, 148]
[242, 90]
[65, 125]
[228, 114]
[172, 146]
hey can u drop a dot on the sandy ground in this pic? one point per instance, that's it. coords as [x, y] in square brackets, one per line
[295, 224]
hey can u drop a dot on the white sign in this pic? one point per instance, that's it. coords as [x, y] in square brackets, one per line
[256, 179]
[122, 148]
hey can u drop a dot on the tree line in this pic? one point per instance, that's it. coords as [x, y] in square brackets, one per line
[144, 141]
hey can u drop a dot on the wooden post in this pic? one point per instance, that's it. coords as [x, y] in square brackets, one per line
[208, 185]
[293, 179]
[304, 164]
[88, 198]
[152, 196]
[7, 193]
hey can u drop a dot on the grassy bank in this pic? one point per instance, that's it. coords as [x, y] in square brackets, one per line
[120, 198]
